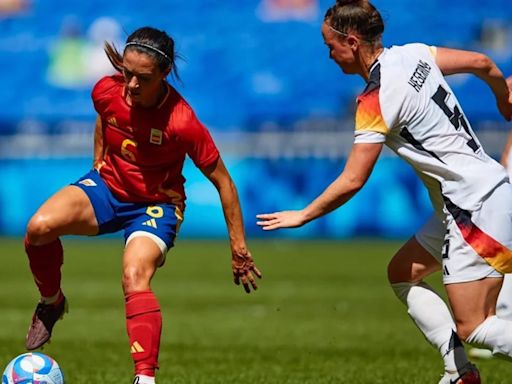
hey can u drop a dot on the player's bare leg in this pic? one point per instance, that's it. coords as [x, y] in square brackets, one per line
[503, 311]
[141, 258]
[69, 211]
[473, 305]
[406, 270]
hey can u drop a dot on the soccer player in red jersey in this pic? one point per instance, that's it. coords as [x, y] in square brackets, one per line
[144, 130]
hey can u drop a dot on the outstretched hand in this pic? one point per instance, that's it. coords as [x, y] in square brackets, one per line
[243, 269]
[284, 219]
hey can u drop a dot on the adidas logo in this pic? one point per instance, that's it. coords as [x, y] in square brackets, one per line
[150, 223]
[113, 121]
[136, 348]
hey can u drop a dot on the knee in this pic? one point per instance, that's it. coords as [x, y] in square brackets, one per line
[464, 330]
[403, 269]
[399, 272]
[394, 275]
[135, 279]
[39, 230]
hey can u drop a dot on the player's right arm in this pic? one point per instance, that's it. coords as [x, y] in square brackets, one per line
[98, 144]
[451, 61]
[360, 163]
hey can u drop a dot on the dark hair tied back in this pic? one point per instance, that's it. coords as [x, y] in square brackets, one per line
[359, 16]
[151, 41]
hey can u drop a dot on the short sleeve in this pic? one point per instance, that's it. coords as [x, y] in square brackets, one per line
[423, 49]
[369, 137]
[198, 142]
[369, 115]
[433, 50]
[102, 91]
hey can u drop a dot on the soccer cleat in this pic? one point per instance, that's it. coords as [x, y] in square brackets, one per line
[468, 374]
[143, 379]
[43, 320]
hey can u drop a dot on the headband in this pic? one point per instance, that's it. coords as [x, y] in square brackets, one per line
[338, 32]
[150, 47]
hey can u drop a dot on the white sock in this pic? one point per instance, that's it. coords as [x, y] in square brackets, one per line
[433, 318]
[143, 379]
[495, 334]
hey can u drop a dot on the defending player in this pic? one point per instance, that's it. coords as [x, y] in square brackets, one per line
[143, 132]
[408, 106]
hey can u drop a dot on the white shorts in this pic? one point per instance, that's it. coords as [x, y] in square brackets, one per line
[472, 245]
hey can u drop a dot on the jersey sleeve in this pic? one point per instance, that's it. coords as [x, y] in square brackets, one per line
[370, 124]
[101, 92]
[423, 49]
[197, 140]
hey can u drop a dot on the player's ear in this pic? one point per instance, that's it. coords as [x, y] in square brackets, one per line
[353, 41]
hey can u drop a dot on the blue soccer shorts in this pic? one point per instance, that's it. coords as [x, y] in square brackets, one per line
[160, 222]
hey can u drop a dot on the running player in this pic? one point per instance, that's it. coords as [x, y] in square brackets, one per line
[408, 106]
[144, 130]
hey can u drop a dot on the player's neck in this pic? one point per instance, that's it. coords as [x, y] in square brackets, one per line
[154, 102]
[368, 58]
[162, 94]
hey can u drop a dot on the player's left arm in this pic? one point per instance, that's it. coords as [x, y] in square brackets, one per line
[242, 262]
[452, 61]
[360, 163]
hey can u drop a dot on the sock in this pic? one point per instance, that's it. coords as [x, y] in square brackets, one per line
[144, 326]
[432, 316]
[495, 334]
[45, 262]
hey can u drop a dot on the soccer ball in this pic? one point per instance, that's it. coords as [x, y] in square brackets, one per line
[32, 368]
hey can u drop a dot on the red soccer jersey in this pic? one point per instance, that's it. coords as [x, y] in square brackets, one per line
[145, 148]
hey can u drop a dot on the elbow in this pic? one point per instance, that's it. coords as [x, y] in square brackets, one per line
[356, 184]
[482, 62]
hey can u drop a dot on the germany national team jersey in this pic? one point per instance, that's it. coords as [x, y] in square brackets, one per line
[408, 105]
[145, 148]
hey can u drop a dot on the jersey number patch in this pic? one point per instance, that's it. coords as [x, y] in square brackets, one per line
[456, 117]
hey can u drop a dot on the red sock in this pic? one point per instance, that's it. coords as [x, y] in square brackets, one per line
[144, 325]
[45, 262]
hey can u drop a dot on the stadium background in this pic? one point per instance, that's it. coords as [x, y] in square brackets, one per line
[257, 74]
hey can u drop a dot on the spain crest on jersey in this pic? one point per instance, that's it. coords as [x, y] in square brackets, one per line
[156, 136]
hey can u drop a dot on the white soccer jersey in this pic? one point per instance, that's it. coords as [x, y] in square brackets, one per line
[408, 105]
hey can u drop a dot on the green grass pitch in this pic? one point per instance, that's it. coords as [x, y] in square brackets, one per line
[323, 314]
